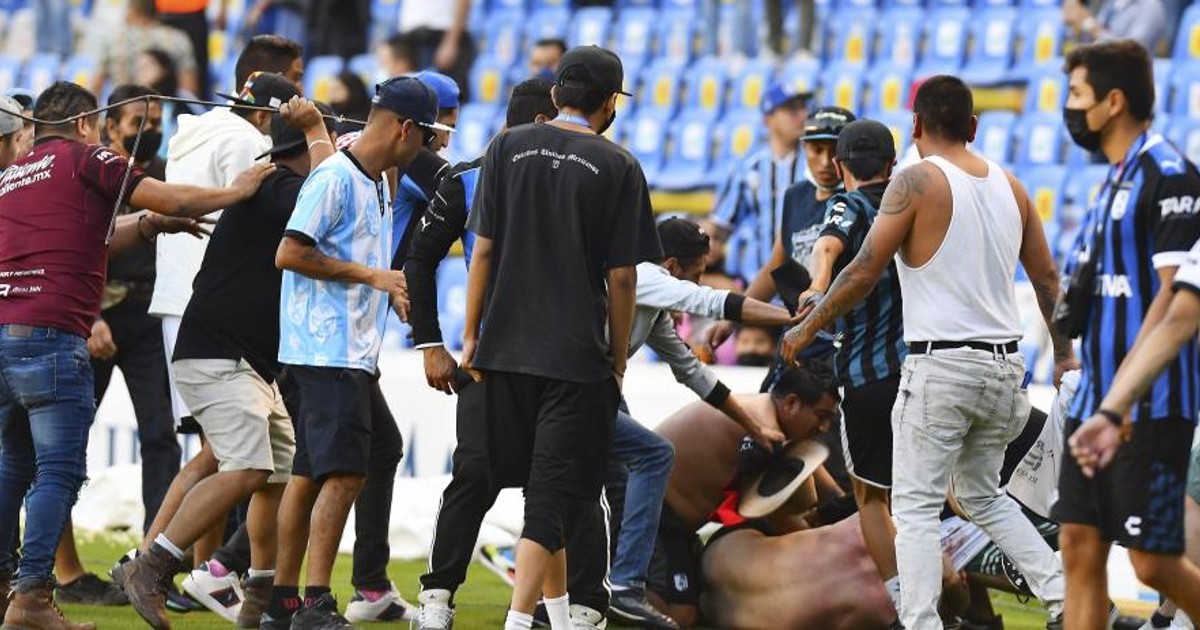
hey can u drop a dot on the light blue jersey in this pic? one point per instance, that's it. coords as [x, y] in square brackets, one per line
[327, 323]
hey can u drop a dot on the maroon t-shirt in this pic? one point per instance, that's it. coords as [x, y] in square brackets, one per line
[56, 205]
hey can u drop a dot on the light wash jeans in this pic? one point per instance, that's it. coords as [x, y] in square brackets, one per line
[956, 412]
[649, 457]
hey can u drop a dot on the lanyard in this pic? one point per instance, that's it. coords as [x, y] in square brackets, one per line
[571, 118]
[1111, 187]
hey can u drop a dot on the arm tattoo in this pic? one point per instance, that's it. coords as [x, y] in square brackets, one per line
[850, 287]
[1047, 297]
[904, 189]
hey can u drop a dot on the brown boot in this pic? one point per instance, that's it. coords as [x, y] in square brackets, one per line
[258, 597]
[35, 610]
[142, 581]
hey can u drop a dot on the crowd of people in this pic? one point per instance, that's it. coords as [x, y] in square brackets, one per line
[241, 275]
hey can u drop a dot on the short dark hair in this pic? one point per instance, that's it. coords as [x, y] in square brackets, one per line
[529, 99]
[810, 383]
[266, 53]
[866, 168]
[1121, 64]
[553, 42]
[59, 101]
[124, 93]
[402, 46]
[145, 7]
[944, 105]
[586, 99]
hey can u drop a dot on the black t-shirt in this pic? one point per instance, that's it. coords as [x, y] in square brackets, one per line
[234, 310]
[562, 208]
[136, 264]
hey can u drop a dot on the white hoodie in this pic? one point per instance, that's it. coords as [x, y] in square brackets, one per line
[209, 150]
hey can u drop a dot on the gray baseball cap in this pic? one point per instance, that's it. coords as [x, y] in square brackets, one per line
[10, 124]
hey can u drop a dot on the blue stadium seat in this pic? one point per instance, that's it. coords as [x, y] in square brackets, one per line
[10, 72]
[854, 5]
[730, 27]
[1027, 5]
[850, 35]
[992, 43]
[1040, 36]
[366, 67]
[1162, 84]
[475, 127]
[660, 88]
[547, 23]
[689, 152]
[385, 19]
[987, 4]
[750, 83]
[707, 81]
[633, 34]
[941, 4]
[1187, 39]
[1083, 185]
[688, 6]
[1185, 90]
[994, 136]
[1041, 139]
[452, 300]
[1160, 123]
[319, 73]
[1185, 134]
[591, 25]
[224, 75]
[842, 86]
[1047, 91]
[900, 125]
[900, 35]
[79, 69]
[945, 41]
[626, 5]
[647, 141]
[737, 134]
[906, 4]
[676, 32]
[501, 6]
[888, 88]
[802, 74]
[488, 81]
[558, 5]
[504, 37]
[1045, 187]
[40, 72]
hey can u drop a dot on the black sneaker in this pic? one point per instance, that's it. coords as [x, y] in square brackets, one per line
[90, 590]
[322, 614]
[630, 605]
[270, 623]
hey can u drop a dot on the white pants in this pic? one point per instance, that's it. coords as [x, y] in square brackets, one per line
[956, 412]
[170, 330]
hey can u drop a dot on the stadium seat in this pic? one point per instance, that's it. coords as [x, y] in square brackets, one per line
[686, 6]
[476, 125]
[676, 35]
[488, 81]
[80, 69]
[539, 5]
[940, 4]
[900, 35]
[689, 151]
[224, 75]
[500, 6]
[319, 72]
[10, 72]
[850, 35]
[866, 6]
[647, 141]
[707, 81]
[1185, 134]
[888, 89]
[900, 124]
[40, 72]
[1040, 37]
[591, 25]
[1185, 90]
[626, 5]
[750, 84]
[1041, 139]
[1045, 187]
[945, 41]
[385, 18]
[1162, 84]
[991, 49]
[660, 88]
[366, 67]
[547, 23]
[802, 74]
[994, 136]
[452, 300]
[737, 134]
[1047, 91]
[633, 35]
[504, 37]
[1027, 5]
[907, 4]
[842, 86]
[1187, 39]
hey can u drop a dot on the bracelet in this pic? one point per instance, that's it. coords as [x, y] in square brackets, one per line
[317, 142]
[1112, 416]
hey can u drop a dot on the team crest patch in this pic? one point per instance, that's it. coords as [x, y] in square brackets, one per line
[681, 582]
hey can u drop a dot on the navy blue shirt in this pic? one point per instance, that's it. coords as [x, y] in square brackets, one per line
[802, 221]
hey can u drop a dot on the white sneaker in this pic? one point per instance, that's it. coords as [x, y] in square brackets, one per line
[436, 613]
[222, 595]
[389, 607]
[584, 618]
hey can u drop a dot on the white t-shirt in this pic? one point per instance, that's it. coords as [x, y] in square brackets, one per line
[1188, 275]
[432, 14]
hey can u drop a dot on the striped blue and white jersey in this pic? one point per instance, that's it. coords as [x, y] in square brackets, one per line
[751, 200]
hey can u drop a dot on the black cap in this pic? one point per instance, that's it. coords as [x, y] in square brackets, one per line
[410, 98]
[265, 89]
[592, 67]
[682, 238]
[826, 123]
[866, 139]
[285, 137]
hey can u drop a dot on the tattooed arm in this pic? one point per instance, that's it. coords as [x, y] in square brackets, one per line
[297, 255]
[891, 227]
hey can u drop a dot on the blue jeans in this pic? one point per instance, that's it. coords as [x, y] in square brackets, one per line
[649, 458]
[46, 408]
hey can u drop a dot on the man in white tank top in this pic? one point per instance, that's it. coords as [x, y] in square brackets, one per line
[957, 225]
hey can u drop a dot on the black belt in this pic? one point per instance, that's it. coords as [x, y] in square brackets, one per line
[925, 347]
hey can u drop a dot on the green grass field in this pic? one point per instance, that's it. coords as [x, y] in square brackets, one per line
[481, 602]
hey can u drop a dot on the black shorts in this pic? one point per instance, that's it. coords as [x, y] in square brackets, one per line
[334, 422]
[550, 435]
[1137, 501]
[867, 418]
[674, 573]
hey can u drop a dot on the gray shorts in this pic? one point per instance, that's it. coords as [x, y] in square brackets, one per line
[242, 415]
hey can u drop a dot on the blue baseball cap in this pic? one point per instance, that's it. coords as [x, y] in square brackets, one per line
[445, 87]
[779, 93]
[408, 97]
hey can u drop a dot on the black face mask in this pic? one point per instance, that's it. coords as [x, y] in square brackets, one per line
[147, 148]
[608, 123]
[754, 360]
[1077, 126]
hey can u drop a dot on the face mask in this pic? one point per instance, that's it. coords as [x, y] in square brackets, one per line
[754, 360]
[1077, 126]
[147, 148]
[608, 123]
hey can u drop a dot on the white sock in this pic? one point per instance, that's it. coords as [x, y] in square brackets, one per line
[260, 573]
[893, 589]
[559, 612]
[161, 541]
[518, 621]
